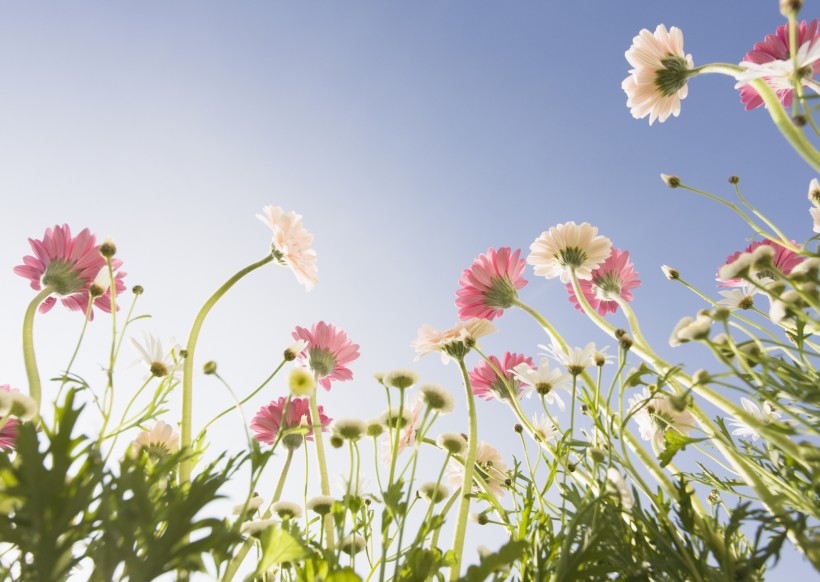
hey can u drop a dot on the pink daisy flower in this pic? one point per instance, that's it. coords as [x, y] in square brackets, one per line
[327, 353]
[784, 260]
[69, 265]
[775, 47]
[487, 384]
[8, 434]
[615, 277]
[491, 284]
[270, 419]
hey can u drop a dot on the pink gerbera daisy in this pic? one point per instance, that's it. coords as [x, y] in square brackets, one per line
[327, 353]
[8, 433]
[775, 47]
[491, 284]
[615, 277]
[272, 418]
[784, 260]
[486, 382]
[291, 244]
[68, 266]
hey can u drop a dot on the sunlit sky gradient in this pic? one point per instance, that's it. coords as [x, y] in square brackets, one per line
[412, 136]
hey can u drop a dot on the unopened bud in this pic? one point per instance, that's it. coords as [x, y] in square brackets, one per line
[671, 181]
[799, 120]
[790, 7]
[670, 273]
[336, 441]
[619, 333]
[734, 179]
[209, 367]
[518, 428]
[108, 249]
[137, 290]
[183, 354]
[625, 342]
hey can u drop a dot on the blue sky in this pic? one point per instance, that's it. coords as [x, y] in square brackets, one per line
[412, 136]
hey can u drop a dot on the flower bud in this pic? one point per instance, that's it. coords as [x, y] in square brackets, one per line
[209, 367]
[108, 249]
[301, 382]
[734, 179]
[670, 273]
[671, 181]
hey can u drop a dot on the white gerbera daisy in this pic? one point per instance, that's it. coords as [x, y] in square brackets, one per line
[291, 244]
[739, 297]
[543, 381]
[657, 81]
[567, 247]
[161, 360]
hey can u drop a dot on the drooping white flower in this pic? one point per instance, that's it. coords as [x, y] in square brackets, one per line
[545, 429]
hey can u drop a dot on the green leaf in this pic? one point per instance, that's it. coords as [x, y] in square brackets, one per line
[280, 546]
[506, 555]
[675, 442]
[343, 575]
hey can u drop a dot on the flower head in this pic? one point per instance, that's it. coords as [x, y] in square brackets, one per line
[488, 384]
[657, 81]
[784, 260]
[765, 415]
[656, 414]
[455, 342]
[68, 266]
[8, 433]
[739, 298]
[545, 429]
[161, 361]
[771, 61]
[273, 417]
[491, 284]
[489, 465]
[615, 277]
[327, 353]
[543, 381]
[576, 360]
[567, 247]
[291, 244]
[161, 441]
[437, 398]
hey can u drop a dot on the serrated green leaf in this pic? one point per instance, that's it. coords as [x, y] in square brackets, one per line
[280, 546]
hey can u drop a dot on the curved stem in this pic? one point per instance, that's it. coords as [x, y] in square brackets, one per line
[188, 368]
[28, 347]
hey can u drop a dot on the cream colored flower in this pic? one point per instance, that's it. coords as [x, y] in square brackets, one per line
[567, 247]
[489, 465]
[291, 244]
[161, 441]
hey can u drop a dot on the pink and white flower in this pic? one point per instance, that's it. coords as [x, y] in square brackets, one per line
[452, 342]
[657, 81]
[491, 284]
[489, 465]
[273, 417]
[568, 247]
[784, 260]
[327, 353]
[615, 277]
[486, 382]
[68, 265]
[771, 61]
[291, 244]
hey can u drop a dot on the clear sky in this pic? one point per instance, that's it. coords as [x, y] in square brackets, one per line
[412, 136]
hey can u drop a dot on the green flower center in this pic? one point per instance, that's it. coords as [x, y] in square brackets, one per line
[156, 451]
[501, 294]
[321, 361]
[158, 369]
[673, 76]
[607, 286]
[62, 277]
[572, 257]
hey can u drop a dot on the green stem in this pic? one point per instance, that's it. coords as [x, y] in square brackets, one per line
[188, 368]
[28, 347]
[467, 485]
[315, 421]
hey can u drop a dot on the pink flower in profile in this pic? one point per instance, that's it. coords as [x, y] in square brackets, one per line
[327, 353]
[8, 434]
[491, 284]
[486, 382]
[775, 47]
[615, 277]
[273, 417]
[68, 266]
[784, 260]
[291, 244]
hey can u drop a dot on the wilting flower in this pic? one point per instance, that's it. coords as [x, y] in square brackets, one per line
[68, 266]
[161, 441]
[328, 352]
[656, 414]
[272, 418]
[784, 260]
[486, 382]
[765, 415]
[489, 465]
[491, 284]
[161, 361]
[771, 61]
[455, 342]
[407, 431]
[567, 247]
[543, 381]
[615, 277]
[657, 81]
[291, 244]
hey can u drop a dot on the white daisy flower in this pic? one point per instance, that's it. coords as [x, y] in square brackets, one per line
[739, 297]
[567, 247]
[543, 381]
[765, 415]
[161, 360]
[655, 414]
